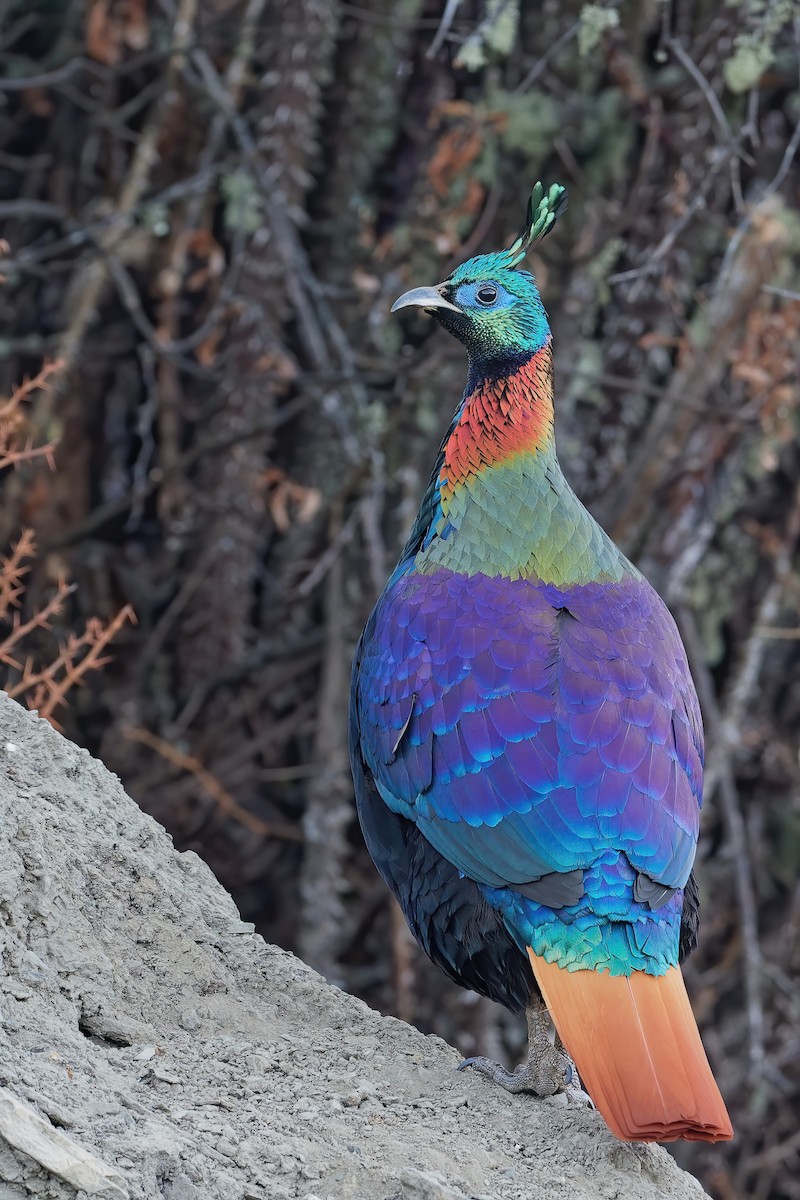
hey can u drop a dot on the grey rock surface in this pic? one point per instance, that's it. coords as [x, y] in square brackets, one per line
[172, 1053]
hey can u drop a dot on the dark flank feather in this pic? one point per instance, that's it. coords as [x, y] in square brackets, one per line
[446, 912]
[690, 919]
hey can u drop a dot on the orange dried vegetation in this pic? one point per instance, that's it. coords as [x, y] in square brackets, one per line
[42, 686]
[16, 439]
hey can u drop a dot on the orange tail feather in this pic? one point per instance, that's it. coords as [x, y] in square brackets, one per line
[637, 1048]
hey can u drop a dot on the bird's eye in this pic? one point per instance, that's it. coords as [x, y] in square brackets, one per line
[486, 295]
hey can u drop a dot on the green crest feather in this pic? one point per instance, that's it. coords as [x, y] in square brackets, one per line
[544, 209]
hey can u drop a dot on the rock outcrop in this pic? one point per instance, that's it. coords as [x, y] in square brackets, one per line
[152, 1045]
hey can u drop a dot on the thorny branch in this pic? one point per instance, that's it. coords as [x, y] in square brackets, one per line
[16, 442]
[20, 630]
[13, 569]
[46, 688]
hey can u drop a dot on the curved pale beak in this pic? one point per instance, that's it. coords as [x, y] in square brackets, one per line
[423, 297]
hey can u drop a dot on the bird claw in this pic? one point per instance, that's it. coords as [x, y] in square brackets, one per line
[576, 1095]
[467, 1063]
[541, 1077]
[549, 1071]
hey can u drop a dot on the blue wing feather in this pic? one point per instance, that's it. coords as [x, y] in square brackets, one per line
[563, 726]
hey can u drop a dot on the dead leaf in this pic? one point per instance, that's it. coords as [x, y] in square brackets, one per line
[202, 245]
[280, 366]
[112, 25]
[103, 33]
[287, 500]
[206, 352]
[455, 153]
[137, 26]
[38, 102]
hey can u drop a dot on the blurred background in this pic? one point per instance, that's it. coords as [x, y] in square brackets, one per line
[208, 208]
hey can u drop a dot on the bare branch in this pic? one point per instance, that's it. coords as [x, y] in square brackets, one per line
[224, 802]
[46, 688]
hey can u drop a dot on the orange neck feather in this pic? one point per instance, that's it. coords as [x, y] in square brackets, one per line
[501, 418]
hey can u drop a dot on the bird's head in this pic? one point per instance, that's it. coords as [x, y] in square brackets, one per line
[489, 305]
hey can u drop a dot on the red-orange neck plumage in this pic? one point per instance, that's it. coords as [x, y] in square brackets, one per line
[502, 416]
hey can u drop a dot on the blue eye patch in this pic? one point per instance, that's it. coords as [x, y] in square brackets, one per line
[485, 294]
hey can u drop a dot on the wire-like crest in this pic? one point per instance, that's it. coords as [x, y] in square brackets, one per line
[544, 209]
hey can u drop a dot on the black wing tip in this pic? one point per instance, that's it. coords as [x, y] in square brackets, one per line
[556, 890]
[650, 892]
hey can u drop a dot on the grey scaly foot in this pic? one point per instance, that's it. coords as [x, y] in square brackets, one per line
[549, 1068]
[543, 1078]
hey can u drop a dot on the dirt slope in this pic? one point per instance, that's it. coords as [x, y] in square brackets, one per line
[146, 1024]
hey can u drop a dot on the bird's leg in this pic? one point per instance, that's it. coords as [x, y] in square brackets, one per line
[549, 1068]
[574, 1088]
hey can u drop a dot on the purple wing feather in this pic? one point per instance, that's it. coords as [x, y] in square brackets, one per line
[548, 725]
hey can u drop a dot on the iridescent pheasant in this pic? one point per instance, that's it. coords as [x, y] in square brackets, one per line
[526, 740]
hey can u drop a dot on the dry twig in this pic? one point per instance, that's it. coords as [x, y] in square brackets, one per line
[45, 688]
[224, 802]
[21, 629]
[14, 425]
[13, 569]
